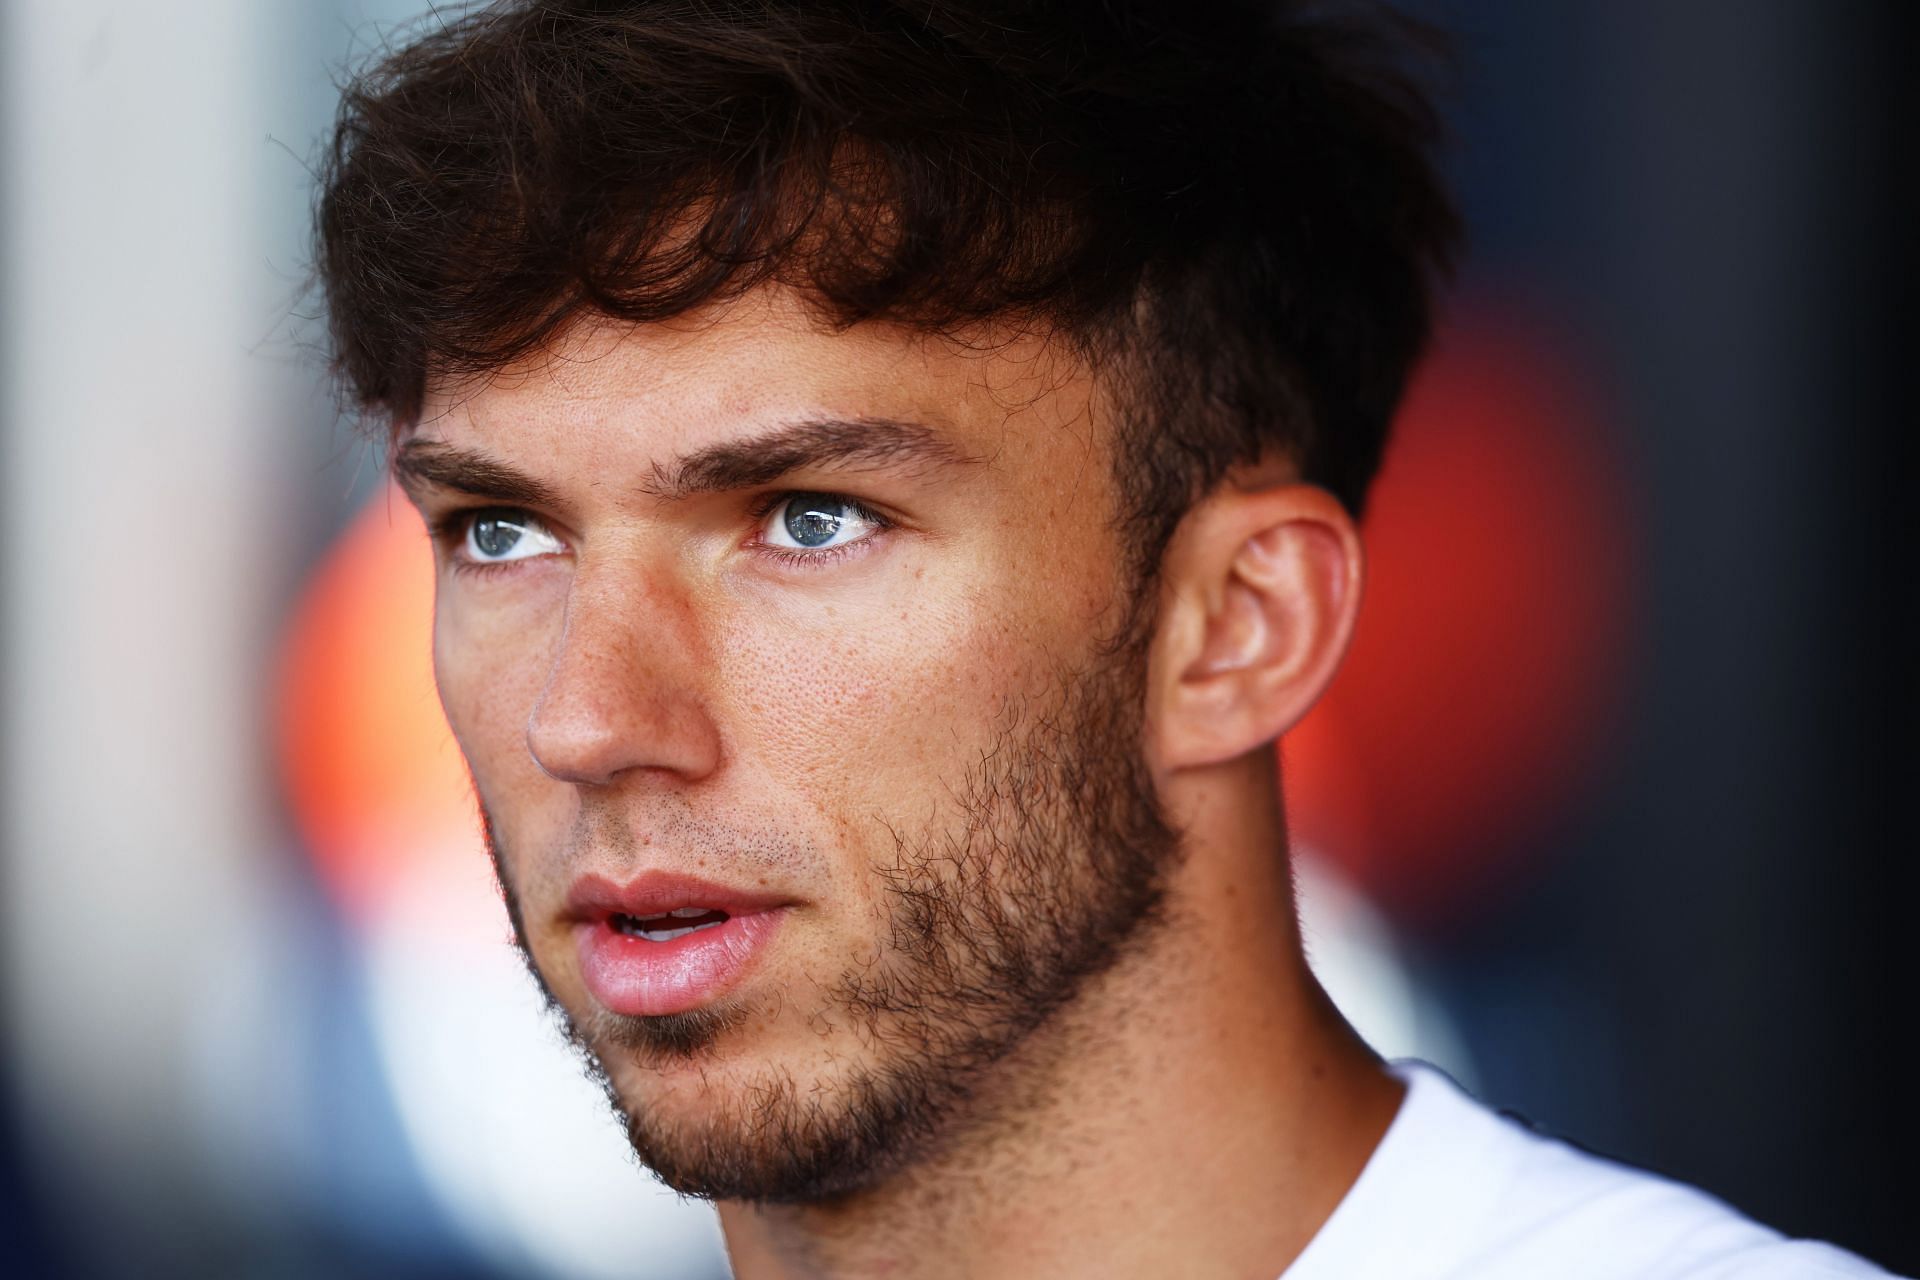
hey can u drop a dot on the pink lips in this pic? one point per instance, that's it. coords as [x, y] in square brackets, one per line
[638, 977]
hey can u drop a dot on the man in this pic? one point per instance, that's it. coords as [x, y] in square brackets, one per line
[894, 469]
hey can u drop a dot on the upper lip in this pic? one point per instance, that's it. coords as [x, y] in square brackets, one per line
[658, 892]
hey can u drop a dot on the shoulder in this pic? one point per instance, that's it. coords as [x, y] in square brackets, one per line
[1563, 1211]
[1455, 1190]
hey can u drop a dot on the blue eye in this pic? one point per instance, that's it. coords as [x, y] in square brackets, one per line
[817, 521]
[497, 535]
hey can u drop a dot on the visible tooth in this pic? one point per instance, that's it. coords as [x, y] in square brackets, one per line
[687, 913]
[668, 935]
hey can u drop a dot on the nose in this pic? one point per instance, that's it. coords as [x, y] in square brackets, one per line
[622, 695]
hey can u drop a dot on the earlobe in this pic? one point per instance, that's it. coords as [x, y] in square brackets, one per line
[1260, 607]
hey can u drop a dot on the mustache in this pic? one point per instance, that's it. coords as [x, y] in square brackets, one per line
[609, 838]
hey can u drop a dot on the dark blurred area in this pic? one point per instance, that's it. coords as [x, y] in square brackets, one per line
[1710, 968]
[1699, 957]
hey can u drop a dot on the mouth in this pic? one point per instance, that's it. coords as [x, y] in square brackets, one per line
[664, 944]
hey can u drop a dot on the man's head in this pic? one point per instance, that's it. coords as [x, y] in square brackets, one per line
[859, 439]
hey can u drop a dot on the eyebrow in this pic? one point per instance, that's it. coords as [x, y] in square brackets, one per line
[727, 466]
[850, 443]
[424, 464]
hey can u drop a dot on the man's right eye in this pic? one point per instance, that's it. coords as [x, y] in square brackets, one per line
[497, 535]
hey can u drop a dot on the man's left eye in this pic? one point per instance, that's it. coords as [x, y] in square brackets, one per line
[817, 522]
[496, 535]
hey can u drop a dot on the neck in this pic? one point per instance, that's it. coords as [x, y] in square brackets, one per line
[1200, 1110]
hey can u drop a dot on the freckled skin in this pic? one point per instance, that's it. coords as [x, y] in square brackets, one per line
[929, 744]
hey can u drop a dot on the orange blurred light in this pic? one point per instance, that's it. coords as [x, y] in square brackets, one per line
[375, 780]
[1488, 650]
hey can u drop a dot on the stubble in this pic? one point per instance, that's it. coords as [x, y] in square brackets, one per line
[1046, 867]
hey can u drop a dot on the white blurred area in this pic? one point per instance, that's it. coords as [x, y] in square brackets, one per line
[143, 533]
[215, 1077]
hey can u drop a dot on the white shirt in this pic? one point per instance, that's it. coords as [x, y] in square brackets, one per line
[1457, 1192]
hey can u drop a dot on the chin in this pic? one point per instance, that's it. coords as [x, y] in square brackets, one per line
[723, 1116]
[701, 1037]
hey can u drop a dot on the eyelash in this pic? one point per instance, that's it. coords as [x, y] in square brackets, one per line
[767, 505]
[450, 532]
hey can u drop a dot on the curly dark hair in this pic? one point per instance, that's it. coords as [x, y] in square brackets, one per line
[1230, 208]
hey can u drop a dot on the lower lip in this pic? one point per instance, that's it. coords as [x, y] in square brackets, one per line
[632, 976]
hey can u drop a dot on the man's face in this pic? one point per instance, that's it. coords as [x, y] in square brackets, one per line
[822, 641]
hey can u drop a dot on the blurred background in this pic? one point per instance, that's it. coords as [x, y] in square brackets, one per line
[1608, 814]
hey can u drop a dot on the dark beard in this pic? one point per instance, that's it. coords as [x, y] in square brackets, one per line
[1050, 865]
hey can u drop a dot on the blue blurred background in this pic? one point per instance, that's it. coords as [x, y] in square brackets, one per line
[1608, 814]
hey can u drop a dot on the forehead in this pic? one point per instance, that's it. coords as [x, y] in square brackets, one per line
[670, 388]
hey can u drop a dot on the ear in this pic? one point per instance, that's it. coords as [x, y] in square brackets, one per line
[1259, 590]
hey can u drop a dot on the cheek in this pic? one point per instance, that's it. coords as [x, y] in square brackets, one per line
[877, 710]
[488, 664]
